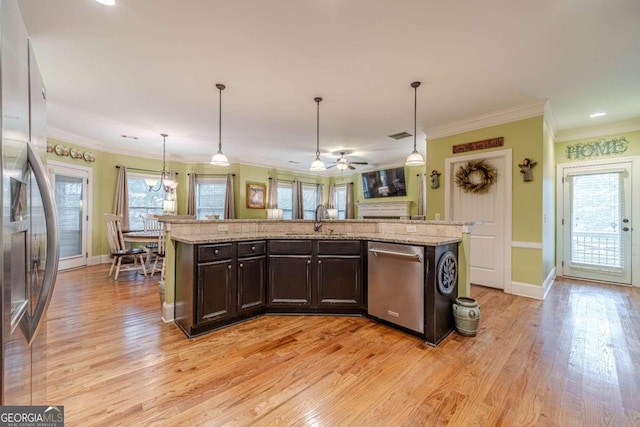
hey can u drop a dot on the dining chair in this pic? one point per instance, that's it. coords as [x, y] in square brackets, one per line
[159, 257]
[118, 249]
[150, 223]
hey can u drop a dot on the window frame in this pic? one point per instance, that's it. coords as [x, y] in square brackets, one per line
[134, 217]
[215, 210]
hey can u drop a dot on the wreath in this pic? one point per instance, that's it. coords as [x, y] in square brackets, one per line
[476, 176]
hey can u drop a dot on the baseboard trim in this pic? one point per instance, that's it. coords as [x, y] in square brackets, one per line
[167, 312]
[527, 290]
[99, 259]
[548, 282]
[534, 291]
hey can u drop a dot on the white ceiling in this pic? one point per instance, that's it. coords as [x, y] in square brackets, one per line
[143, 67]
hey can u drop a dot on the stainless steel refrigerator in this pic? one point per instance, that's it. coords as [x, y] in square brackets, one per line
[30, 248]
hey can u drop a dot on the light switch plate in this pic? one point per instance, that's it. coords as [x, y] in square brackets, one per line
[411, 229]
[223, 227]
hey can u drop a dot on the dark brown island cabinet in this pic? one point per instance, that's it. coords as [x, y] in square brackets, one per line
[316, 276]
[219, 284]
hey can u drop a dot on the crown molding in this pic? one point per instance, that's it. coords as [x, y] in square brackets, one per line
[601, 130]
[500, 117]
[72, 138]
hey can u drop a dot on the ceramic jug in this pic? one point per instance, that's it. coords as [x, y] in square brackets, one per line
[466, 314]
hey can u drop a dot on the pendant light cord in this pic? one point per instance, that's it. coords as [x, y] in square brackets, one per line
[318, 126]
[220, 87]
[164, 162]
[415, 114]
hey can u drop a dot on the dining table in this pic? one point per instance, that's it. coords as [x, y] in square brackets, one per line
[148, 238]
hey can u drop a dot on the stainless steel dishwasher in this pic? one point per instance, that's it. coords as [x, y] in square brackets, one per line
[396, 284]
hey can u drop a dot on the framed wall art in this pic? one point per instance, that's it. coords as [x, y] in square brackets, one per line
[256, 196]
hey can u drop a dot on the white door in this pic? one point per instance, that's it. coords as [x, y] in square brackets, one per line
[70, 186]
[597, 222]
[487, 243]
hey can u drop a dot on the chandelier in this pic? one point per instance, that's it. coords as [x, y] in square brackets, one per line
[167, 178]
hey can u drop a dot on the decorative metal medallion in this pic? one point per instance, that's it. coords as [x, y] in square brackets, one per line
[447, 273]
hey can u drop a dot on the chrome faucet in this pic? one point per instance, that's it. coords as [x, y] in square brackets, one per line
[321, 213]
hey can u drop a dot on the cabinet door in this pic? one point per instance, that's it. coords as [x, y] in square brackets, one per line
[216, 288]
[290, 281]
[339, 282]
[251, 278]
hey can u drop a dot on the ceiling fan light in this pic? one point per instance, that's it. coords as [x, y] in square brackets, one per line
[219, 159]
[415, 159]
[342, 165]
[318, 165]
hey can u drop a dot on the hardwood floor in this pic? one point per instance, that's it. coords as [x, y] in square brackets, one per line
[572, 360]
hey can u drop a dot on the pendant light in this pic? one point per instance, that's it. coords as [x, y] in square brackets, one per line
[318, 165]
[415, 158]
[219, 159]
[167, 178]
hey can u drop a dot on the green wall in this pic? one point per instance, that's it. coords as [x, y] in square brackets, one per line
[105, 175]
[525, 139]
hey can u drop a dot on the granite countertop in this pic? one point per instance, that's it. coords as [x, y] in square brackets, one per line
[390, 238]
[186, 219]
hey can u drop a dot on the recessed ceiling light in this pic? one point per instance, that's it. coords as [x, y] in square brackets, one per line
[600, 114]
[107, 2]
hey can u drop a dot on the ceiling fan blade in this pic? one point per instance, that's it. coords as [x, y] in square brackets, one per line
[329, 167]
[351, 167]
[359, 163]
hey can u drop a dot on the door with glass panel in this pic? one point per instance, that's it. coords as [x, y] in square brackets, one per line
[597, 222]
[70, 187]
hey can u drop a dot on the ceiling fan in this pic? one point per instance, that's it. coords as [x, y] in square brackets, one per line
[343, 163]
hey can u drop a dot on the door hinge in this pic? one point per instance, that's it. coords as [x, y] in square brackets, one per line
[562, 221]
[86, 254]
[87, 217]
[563, 179]
[563, 263]
[87, 181]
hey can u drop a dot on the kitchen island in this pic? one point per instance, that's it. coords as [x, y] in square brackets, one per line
[229, 271]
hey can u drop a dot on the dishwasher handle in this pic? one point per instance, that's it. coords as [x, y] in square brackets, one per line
[411, 257]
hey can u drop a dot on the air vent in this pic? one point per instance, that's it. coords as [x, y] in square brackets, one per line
[129, 137]
[400, 135]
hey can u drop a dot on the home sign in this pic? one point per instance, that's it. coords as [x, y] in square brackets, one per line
[601, 147]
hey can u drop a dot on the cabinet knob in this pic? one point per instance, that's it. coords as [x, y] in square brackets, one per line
[253, 248]
[241, 265]
[319, 261]
[216, 252]
[308, 261]
[229, 267]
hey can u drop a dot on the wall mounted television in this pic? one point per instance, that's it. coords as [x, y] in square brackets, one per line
[384, 183]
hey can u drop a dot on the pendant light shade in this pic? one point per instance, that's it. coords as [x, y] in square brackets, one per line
[415, 158]
[317, 165]
[219, 159]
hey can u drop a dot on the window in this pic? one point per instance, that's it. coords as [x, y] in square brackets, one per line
[285, 199]
[141, 200]
[210, 197]
[340, 200]
[309, 200]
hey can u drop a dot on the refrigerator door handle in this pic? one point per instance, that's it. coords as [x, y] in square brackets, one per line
[53, 241]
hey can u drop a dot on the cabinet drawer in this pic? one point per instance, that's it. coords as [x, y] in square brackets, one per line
[208, 253]
[338, 247]
[251, 248]
[290, 247]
